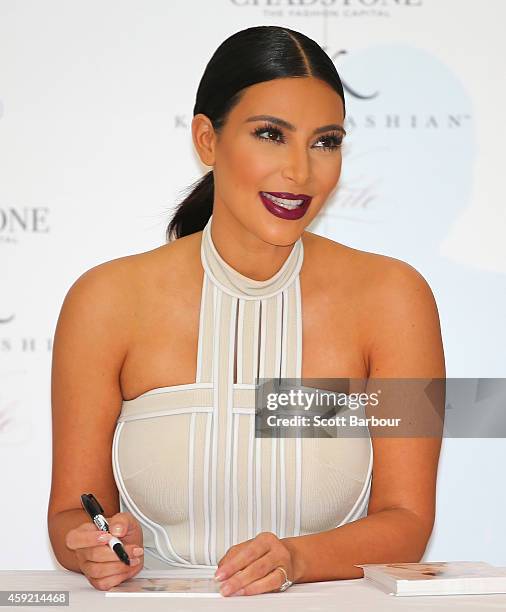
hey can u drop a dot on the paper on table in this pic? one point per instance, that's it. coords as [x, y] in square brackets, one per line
[166, 587]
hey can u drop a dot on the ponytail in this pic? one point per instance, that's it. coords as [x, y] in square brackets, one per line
[194, 211]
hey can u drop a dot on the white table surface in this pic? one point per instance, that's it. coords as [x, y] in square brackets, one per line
[342, 595]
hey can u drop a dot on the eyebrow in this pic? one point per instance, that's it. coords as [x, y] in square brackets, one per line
[291, 127]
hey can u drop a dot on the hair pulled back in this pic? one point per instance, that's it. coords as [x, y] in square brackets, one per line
[250, 56]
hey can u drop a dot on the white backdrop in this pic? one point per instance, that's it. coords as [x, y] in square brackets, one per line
[96, 100]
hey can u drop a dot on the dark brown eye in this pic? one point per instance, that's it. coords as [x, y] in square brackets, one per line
[268, 129]
[332, 141]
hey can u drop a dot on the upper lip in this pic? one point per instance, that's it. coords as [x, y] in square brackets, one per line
[289, 196]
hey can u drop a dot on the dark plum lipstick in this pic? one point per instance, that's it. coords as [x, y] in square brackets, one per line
[295, 211]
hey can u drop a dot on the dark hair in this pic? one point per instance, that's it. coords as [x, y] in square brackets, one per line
[250, 56]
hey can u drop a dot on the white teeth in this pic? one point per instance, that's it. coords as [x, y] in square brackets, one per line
[290, 204]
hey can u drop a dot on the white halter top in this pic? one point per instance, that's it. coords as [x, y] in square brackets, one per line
[185, 458]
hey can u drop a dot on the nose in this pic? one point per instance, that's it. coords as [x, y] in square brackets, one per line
[297, 165]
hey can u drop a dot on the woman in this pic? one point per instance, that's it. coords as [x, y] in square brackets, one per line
[156, 356]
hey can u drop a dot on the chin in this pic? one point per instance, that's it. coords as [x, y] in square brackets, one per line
[282, 236]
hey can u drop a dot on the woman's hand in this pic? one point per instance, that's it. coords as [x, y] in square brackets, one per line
[249, 568]
[97, 561]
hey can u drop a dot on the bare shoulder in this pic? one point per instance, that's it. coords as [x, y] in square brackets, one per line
[376, 276]
[392, 303]
[123, 282]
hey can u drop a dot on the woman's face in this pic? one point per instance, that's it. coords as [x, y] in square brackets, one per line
[253, 155]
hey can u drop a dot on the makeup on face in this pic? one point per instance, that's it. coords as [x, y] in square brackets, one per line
[285, 205]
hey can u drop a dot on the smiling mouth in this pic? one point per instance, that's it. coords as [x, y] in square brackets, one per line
[290, 203]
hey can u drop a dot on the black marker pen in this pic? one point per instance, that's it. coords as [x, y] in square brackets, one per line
[95, 512]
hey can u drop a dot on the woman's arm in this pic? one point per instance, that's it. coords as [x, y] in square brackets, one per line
[404, 342]
[89, 347]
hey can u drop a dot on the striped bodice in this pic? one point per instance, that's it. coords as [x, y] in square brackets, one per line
[186, 460]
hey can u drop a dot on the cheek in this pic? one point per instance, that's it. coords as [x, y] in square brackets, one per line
[252, 167]
[249, 164]
[327, 172]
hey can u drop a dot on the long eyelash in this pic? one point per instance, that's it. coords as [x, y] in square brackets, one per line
[268, 127]
[335, 138]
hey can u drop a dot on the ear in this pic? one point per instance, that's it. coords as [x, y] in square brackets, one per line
[204, 138]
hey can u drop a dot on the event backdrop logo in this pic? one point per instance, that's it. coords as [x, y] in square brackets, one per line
[349, 89]
[328, 8]
[18, 221]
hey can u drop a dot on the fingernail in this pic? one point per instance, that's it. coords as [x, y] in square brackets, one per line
[219, 575]
[103, 537]
[135, 561]
[116, 529]
[138, 551]
[226, 589]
